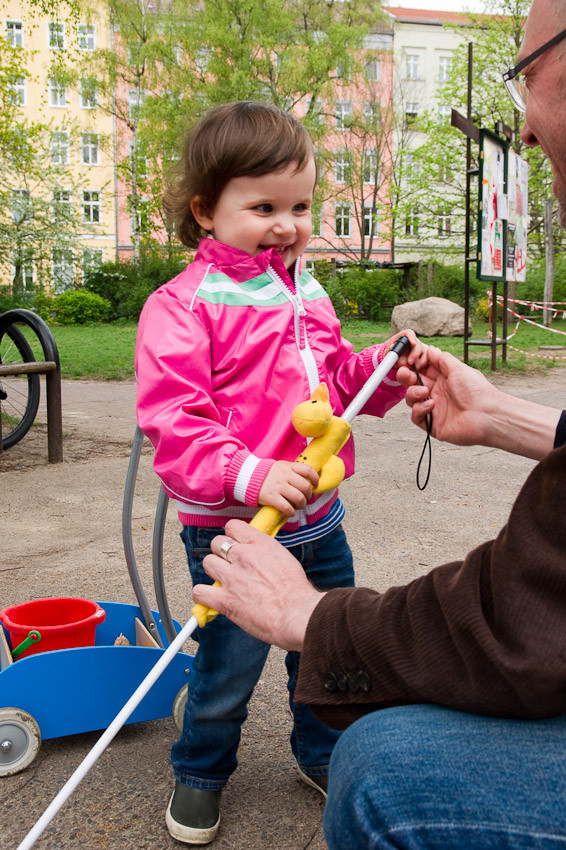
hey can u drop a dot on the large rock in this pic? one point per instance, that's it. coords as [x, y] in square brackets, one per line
[429, 317]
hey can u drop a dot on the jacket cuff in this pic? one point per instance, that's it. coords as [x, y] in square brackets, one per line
[371, 359]
[245, 476]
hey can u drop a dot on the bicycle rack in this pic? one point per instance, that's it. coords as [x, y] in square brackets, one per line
[50, 367]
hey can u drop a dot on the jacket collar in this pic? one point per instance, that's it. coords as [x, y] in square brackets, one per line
[240, 265]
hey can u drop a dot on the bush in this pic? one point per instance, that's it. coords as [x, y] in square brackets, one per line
[37, 301]
[533, 288]
[364, 293]
[78, 307]
[127, 286]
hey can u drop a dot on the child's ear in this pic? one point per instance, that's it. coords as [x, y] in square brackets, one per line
[201, 213]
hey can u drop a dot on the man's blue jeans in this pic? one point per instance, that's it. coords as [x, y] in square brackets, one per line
[228, 664]
[427, 777]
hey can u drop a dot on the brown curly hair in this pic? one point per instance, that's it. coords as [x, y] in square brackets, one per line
[242, 139]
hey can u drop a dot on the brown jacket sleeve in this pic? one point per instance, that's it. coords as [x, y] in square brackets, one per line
[486, 635]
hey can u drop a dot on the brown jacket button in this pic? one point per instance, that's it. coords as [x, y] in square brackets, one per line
[353, 682]
[330, 683]
[364, 681]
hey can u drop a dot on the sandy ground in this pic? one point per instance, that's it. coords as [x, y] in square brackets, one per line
[60, 527]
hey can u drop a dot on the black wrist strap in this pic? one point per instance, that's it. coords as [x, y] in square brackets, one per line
[560, 437]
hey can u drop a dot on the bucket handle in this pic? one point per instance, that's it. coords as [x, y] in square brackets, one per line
[33, 637]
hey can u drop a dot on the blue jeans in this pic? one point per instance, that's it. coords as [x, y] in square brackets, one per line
[228, 664]
[427, 777]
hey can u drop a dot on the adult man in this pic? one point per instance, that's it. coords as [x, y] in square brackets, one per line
[468, 664]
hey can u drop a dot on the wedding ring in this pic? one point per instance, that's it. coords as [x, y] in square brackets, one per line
[225, 548]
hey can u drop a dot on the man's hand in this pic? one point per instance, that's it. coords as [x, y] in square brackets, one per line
[461, 398]
[264, 589]
[470, 411]
[288, 486]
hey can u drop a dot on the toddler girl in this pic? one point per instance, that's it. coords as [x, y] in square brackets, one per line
[225, 352]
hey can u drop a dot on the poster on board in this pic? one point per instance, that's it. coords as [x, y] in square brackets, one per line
[517, 191]
[492, 209]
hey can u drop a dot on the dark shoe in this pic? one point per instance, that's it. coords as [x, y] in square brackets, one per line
[193, 816]
[320, 783]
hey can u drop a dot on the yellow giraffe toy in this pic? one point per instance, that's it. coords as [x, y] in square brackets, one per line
[312, 418]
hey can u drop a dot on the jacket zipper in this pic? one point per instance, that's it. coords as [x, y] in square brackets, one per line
[300, 328]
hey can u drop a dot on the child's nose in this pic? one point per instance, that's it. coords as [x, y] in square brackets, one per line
[284, 225]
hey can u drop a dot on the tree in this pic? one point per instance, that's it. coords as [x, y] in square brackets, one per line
[247, 49]
[439, 181]
[38, 222]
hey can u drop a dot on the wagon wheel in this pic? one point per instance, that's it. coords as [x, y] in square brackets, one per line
[20, 740]
[179, 704]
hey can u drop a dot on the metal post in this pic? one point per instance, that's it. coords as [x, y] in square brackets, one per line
[468, 197]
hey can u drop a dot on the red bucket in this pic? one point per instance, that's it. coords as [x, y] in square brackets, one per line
[62, 622]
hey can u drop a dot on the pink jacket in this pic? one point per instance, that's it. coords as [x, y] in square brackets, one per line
[225, 351]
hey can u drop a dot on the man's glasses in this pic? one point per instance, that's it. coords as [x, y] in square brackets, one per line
[515, 84]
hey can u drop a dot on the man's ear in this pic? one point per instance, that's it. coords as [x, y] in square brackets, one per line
[201, 213]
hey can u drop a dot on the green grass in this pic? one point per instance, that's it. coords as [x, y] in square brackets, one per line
[106, 352]
[97, 352]
[529, 338]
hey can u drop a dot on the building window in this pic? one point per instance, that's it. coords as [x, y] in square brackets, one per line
[20, 205]
[412, 166]
[91, 206]
[62, 204]
[444, 110]
[343, 71]
[342, 219]
[138, 161]
[371, 170]
[57, 93]
[86, 36]
[59, 148]
[91, 260]
[202, 58]
[140, 219]
[135, 102]
[371, 221]
[445, 173]
[343, 114]
[314, 112]
[63, 269]
[444, 222]
[343, 167]
[412, 222]
[26, 269]
[317, 213]
[372, 71]
[56, 35]
[88, 93]
[90, 149]
[17, 90]
[372, 115]
[444, 68]
[411, 115]
[412, 66]
[15, 33]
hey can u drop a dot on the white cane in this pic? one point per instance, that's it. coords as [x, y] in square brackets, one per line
[388, 362]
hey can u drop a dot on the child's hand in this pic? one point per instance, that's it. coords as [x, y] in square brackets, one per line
[288, 486]
[417, 354]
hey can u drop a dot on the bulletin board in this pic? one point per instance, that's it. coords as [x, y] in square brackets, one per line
[518, 195]
[492, 208]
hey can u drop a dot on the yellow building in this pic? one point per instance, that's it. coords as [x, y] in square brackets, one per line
[72, 177]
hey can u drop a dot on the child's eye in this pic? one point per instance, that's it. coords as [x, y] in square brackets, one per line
[264, 208]
[300, 208]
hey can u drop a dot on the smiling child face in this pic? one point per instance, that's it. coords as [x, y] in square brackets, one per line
[271, 211]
